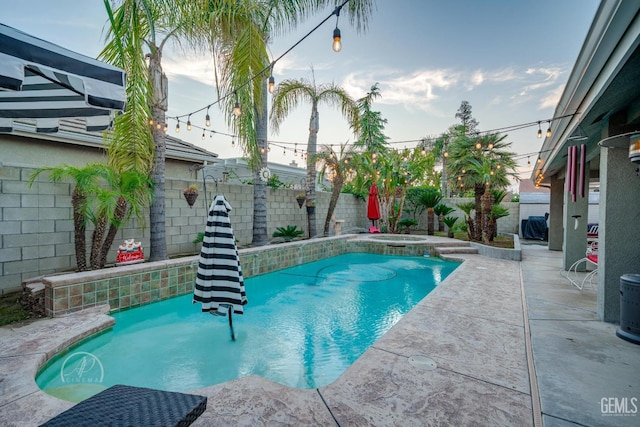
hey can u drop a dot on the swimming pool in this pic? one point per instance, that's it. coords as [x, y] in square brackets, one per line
[303, 327]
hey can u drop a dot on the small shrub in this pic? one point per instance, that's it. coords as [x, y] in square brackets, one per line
[288, 233]
[407, 223]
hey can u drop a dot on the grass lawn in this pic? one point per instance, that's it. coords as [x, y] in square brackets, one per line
[10, 309]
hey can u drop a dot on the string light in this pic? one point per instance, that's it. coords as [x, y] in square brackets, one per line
[203, 135]
[295, 151]
[337, 38]
[490, 146]
[233, 143]
[150, 121]
[178, 126]
[549, 130]
[207, 120]
[237, 111]
[478, 145]
[272, 81]
[539, 131]
[189, 123]
[528, 162]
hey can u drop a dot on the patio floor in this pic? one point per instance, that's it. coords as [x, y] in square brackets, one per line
[472, 327]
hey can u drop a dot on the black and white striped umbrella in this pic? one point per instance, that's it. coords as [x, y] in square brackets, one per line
[42, 81]
[219, 284]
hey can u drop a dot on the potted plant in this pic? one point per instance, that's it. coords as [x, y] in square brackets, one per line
[191, 194]
[300, 198]
[311, 206]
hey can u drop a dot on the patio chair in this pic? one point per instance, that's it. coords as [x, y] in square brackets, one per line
[122, 405]
[590, 258]
[592, 233]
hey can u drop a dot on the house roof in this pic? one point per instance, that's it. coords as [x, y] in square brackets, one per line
[601, 94]
[73, 131]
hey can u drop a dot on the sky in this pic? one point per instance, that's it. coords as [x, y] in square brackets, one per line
[510, 59]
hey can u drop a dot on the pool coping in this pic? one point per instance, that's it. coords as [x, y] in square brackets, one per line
[23, 402]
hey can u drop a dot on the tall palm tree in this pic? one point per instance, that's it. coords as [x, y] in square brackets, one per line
[138, 31]
[286, 98]
[337, 166]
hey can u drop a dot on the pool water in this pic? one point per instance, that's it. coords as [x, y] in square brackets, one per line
[303, 327]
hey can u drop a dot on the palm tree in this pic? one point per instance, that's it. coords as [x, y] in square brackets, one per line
[137, 32]
[430, 199]
[286, 98]
[124, 196]
[441, 210]
[337, 166]
[84, 179]
[473, 162]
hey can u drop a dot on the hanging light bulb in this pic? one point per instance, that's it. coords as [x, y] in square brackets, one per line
[207, 120]
[261, 150]
[464, 171]
[237, 111]
[423, 152]
[272, 84]
[446, 154]
[549, 130]
[178, 126]
[295, 151]
[539, 131]
[478, 145]
[211, 134]
[158, 126]
[337, 39]
[269, 148]
[189, 122]
[284, 152]
[233, 143]
[203, 135]
[498, 166]
[490, 146]
[164, 128]
[150, 121]
[528, 162]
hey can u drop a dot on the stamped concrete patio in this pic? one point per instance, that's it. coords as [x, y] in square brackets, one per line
[482, 335]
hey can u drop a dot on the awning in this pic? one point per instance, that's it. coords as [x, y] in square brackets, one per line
[42, 81]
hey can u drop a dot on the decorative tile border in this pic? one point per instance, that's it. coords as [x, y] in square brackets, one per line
[138, 284]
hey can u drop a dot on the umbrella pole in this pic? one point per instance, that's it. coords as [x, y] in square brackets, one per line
[233, 336]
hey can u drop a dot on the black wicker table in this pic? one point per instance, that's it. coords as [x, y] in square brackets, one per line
[122, 405]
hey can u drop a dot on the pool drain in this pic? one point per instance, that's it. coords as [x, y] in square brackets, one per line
[423, 362]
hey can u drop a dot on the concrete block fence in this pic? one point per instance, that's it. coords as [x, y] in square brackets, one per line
[36, 226]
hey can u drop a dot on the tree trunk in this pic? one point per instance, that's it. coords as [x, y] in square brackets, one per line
[476, 234]
[487, 203]
[119, 215]
[440, 223]
[157, 230]
[430, 222]
[338, 182]
[79, 229]
[260, 236]
[96, 241]
[314, 125]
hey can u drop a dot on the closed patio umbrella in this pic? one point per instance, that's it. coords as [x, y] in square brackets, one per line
[219, 283]
[373, 205]
[45, 82]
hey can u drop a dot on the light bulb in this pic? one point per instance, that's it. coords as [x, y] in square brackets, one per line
[188, 124]
[150, 121]
[490, 146]
[272, 84]
[207, 121]
[446, 154]
[539, 131]
[233, 143]
[237, 111]
[337, 43]
[478, 145]
[178, 127]
[549, 131]
[203, 135]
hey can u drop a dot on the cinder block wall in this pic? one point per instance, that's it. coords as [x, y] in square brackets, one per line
[36, 226]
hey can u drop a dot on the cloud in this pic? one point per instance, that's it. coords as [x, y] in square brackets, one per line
[190, 66]
[552, 98]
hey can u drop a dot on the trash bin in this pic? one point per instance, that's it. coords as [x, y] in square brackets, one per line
[629, 329]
